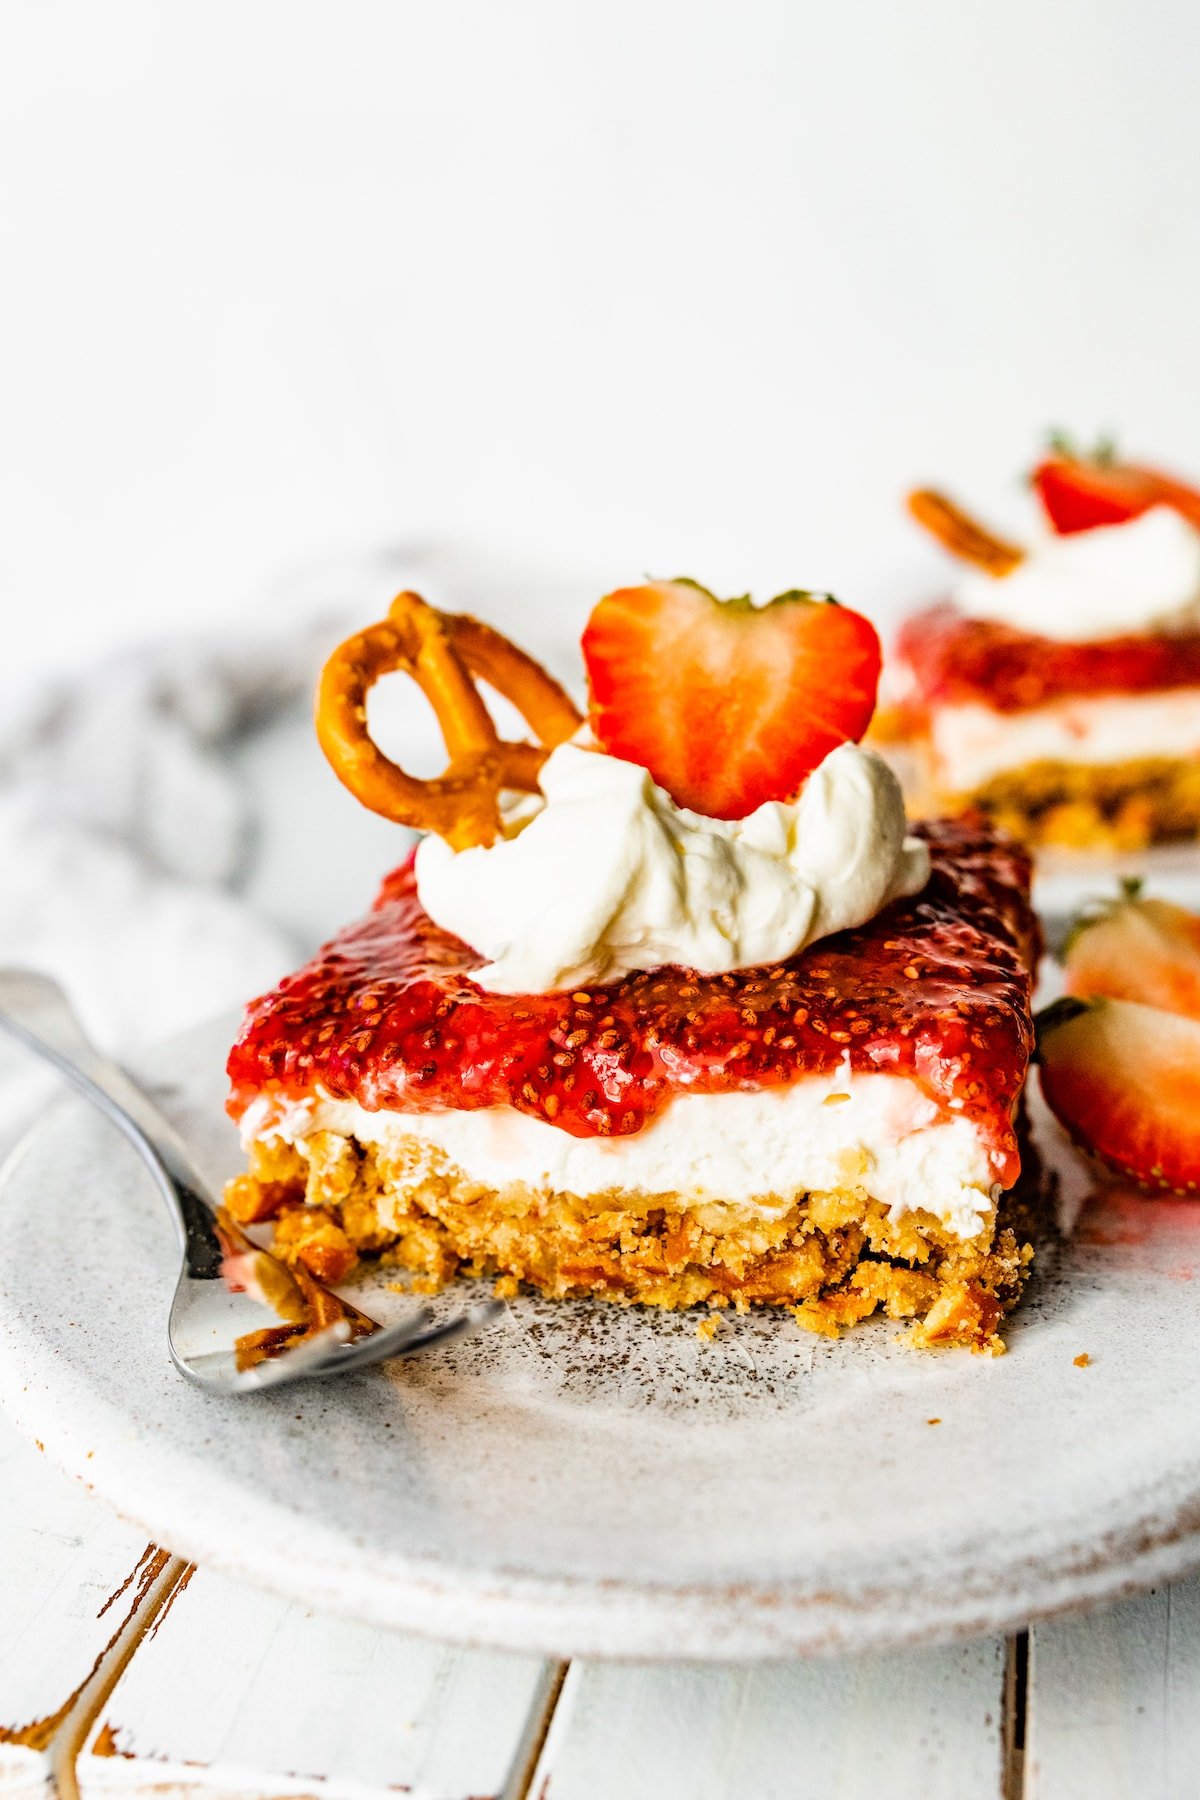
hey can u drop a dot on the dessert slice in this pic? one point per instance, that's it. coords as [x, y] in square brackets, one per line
[836, 1132]
[762, 1047]
[1058, 692]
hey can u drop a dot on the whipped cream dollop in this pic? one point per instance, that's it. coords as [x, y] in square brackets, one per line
[1112, 580]
[608, 875]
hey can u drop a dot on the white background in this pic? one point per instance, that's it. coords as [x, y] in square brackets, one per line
[531, 297]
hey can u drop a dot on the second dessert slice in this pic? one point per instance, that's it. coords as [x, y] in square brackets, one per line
[1058, 691]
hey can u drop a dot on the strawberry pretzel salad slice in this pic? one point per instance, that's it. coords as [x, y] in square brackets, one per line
[1057, 689]
[669, 1005]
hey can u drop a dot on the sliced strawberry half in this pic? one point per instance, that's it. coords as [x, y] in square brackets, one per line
[727, 704]
[1124, 1081]
[1136, 948]
[1081, 492]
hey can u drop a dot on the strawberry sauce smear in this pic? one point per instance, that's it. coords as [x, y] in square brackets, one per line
[955, 659]
[936, 988]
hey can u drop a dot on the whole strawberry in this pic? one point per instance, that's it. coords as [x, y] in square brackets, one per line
[1137, 948]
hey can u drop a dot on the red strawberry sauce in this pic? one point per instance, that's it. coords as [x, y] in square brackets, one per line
[955, 659]
[936, 987]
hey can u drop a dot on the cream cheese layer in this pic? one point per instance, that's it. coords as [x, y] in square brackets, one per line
[876, 1132]
[971, 743]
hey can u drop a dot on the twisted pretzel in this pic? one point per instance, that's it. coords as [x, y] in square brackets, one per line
[962, 535]
[445, 653]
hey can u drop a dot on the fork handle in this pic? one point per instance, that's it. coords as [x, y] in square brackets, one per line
[35, 1011]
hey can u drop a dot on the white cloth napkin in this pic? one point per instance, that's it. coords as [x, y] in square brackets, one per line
[124, 834]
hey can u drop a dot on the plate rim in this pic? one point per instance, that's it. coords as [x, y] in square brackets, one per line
[565, 1617]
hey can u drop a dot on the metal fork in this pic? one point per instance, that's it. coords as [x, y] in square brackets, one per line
[206, 1315]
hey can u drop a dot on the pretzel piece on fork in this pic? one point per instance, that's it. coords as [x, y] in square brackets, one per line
[445, 654]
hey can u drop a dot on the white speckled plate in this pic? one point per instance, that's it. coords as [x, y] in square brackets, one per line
[591, 1479]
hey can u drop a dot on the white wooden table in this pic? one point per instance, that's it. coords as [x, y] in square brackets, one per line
[125, 1671]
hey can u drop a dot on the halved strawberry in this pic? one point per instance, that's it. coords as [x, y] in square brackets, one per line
[1137, 949]
[727, 704]
[1124, 1082]
[1081, 492]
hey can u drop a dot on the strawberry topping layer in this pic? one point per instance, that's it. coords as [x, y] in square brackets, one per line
[955, 659]
[935, 988]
